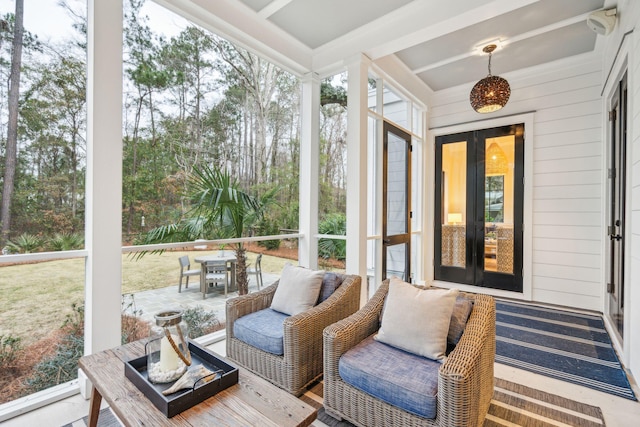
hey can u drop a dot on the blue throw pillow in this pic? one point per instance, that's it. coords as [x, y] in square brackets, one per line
[330, 282]
[461, 311]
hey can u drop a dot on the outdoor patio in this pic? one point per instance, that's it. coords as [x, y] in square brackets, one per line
[148, 303]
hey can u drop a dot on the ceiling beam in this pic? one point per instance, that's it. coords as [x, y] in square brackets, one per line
[272, 8]
[506, 42]
[408, 26]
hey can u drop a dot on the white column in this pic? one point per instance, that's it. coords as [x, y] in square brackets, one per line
[357, 96]
[103, 221]
[379, 184]
[309, 170]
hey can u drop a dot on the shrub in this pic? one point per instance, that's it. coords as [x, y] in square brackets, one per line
[9, 348]
[201, 321]
[66, 241]
[61, 367]
[133, 328]
[24, 244]
[267, 228]
[335, 224]
[270, 244]
[61, 364]
[74, 323]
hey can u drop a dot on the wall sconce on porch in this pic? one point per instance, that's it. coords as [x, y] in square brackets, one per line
[491, 93]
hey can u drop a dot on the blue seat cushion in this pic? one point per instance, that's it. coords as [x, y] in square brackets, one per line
[392, 375]
[262, 329]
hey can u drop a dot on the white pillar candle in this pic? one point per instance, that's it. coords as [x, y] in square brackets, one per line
[168, 356]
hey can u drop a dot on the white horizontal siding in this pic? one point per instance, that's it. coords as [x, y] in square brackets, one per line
[571, 232]
[567, 205]
[576, 164]
[585, 302]
[588, 121]
[581, 275]
[567, 192]
[574, 109]
[571, 288]
[568, 178]
[635, 193]
[567, 246]
[561, 139]
[552, 257]
[574, 205]
[575, 218]
[568, 151]
[587, 219]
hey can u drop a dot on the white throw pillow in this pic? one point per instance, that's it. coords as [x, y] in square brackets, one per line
[297, 290]
[417, 320]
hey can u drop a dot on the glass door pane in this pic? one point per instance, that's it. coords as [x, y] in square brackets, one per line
[396, 193]
[397, 176]
[499, 204]
[454, 204]
[397, 261]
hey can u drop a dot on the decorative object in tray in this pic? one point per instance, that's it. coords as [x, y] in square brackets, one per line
[192, 378]
[176, 374]
[168, 355]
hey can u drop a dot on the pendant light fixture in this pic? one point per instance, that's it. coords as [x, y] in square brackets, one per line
[491, 93]
[495, 161]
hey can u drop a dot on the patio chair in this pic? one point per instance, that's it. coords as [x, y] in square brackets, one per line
[256, 271]
[186, 271]
[459, 390]
[216, 273]
[297, 361]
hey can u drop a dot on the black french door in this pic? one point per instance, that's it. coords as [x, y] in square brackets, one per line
[616, 195]
[479, 207]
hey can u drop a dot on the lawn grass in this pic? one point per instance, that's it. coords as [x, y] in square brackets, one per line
[36, 298]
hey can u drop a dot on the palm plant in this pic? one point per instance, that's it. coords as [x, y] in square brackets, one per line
[66, 241]
[220, 210]
[24, 244]
[334, 224]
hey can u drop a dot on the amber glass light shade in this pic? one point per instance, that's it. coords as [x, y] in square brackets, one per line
[496, 161]
[490, 94]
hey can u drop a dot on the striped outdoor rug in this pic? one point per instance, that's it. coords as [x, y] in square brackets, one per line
[512, 405]
[569, 346]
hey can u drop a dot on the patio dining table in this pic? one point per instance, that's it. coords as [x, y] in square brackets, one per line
[229, 257]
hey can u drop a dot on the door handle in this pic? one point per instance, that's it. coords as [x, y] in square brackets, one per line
[615, 237]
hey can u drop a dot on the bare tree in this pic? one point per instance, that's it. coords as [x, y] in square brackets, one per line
[11, 154]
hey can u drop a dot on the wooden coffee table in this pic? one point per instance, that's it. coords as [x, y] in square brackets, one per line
[251, 402]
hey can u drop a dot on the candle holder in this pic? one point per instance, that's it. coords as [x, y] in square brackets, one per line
[167, 351]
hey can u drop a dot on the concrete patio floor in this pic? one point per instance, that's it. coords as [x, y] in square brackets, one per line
[148, 303]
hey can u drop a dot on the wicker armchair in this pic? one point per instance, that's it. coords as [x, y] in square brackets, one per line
[301, 363]
[465, 380]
